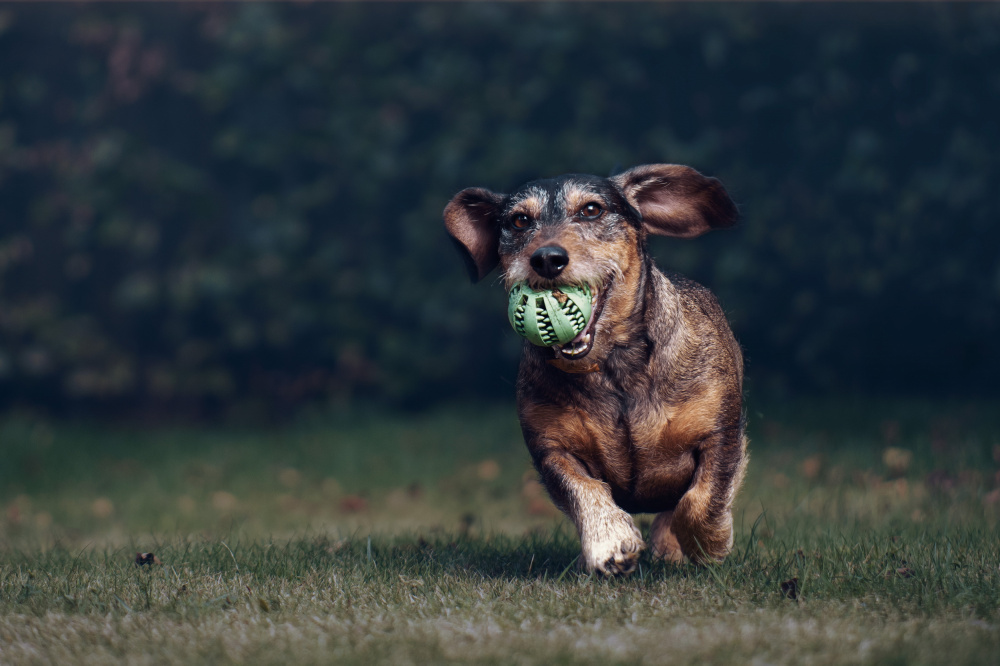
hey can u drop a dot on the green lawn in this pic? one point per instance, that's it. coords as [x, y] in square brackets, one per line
[426, 539]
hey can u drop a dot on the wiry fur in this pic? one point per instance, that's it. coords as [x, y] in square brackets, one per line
[650, 419]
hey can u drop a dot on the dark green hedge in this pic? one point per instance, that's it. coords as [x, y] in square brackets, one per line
[239, 205]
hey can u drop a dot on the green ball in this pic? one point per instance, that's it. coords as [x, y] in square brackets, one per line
[549, 317]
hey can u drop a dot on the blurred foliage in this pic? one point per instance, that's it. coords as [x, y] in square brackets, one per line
[238, 206]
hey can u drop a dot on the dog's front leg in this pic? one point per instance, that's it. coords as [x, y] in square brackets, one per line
[610, 541]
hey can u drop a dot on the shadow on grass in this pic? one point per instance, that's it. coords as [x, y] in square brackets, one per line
[551, 555]
[921, 569]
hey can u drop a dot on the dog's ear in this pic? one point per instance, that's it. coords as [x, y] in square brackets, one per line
[472, 218]
[676, 200]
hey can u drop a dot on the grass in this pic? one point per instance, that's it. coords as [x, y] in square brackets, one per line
[867, 533]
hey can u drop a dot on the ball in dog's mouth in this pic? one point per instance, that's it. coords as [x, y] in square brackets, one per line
[561, 318]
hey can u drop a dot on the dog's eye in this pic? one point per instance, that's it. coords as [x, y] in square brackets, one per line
[591, 210]
[520, 221]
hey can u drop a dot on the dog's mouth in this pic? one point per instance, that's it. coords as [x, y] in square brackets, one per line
[581, 345]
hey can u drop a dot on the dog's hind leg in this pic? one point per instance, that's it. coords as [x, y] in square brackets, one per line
[609, 539]
[662, 539]
[702, 523]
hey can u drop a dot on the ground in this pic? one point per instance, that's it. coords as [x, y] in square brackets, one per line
[866, 533]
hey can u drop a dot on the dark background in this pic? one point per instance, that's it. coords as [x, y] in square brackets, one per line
[234, 210]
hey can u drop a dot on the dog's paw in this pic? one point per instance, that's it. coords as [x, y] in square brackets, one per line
[663, 541]
[613, 547]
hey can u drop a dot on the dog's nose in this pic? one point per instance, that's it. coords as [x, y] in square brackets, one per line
[549, 261]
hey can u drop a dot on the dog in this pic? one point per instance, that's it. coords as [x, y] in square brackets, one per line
[642, 412]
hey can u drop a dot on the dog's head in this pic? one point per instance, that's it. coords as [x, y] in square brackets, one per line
[579, 229]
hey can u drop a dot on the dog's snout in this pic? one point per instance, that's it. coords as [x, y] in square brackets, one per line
[549, 261]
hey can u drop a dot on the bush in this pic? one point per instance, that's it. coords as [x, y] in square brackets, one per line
[226, 206]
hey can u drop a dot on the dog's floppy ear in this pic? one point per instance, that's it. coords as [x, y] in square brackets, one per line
[472, 218]
[676, 200]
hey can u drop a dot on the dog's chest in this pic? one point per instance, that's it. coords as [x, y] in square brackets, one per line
[643, 448]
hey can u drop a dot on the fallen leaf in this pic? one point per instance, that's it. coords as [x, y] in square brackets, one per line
[102, 507]
[540, 506]
[532, 489]
[146, 558]
[488, 470]
[790, 589]
[811, 466]
[353, 504]
[224, 501]
[897, 460]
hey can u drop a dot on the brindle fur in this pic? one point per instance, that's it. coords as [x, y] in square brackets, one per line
[650, 420]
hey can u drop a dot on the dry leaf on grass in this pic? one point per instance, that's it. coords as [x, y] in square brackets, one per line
[488, 470]
[811, 467]
[790, 589]
[102, 507]
[353, 504]
[146, 558]
[897, 460]
[224, 501]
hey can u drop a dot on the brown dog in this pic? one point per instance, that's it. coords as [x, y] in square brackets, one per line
[642, 411]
